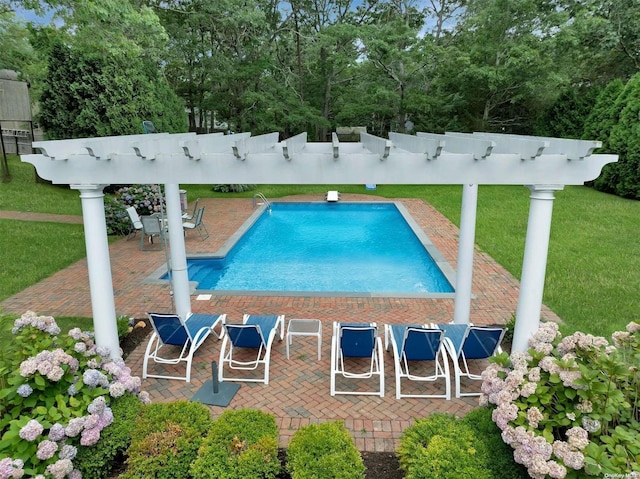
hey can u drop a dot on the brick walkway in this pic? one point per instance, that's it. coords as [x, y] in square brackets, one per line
[298, 391]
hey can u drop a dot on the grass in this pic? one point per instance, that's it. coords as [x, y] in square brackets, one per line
[22, 193]
[593, 267]
[31, 251]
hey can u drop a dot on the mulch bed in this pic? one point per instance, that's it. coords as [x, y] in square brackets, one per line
[379, 465]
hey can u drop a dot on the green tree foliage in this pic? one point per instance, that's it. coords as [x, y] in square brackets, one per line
[104, 71]
[88, 94]
[604, 114]
[16, 50]
[567, 116]
[600, 40]
[625, 141]
[514, 66]
[507, 66]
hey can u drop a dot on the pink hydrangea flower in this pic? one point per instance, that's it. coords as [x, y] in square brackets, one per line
[633, 327]
[31, 430]
[534, 416]
[60, 468]
[578, 438]
[46, 450]
[90, 436]
[11, 468]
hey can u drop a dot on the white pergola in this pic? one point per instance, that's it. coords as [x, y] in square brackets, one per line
[544, 165]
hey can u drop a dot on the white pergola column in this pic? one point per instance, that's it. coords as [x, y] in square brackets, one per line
[178, 257]
[534, 265]
[466, 242]
[99, 267]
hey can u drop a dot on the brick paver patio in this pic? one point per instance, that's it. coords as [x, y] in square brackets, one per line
[298, 391]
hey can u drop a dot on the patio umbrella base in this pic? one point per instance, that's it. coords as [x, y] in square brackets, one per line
[207, 395]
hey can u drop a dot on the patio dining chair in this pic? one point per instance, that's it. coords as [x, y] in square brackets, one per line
[465, 342]
[197, 225]
[170, 332]
[413, 345]
[356, 353]
[189, 216]
[136, 224]
[247, 346]
[151, 228]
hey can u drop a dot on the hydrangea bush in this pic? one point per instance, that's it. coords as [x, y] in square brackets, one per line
[58, 393]
[146, 199]
[570, 406]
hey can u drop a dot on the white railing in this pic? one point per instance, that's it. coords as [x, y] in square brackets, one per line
[262, 201]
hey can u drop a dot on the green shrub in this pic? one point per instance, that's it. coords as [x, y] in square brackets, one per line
[241, 443]
[501, 463]
[96, 461]
[324, 451]
[165, 440]
[443, 447]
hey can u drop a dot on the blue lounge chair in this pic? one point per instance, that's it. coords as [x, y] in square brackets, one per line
[418, 344]
[255, 333]
[171, 331]
[356, 342]
[467, 342]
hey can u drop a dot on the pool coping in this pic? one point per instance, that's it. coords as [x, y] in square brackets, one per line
[438, 258]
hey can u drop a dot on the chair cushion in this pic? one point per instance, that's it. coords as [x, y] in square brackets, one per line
[244, 335]
[417, 343]
[170, 329]
[481, 342]
[357, 340]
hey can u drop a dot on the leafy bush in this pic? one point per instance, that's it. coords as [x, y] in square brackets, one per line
[324, 451]
[232, 188]
[116, 216]
[146, 199]
[122, 323]
[165, 440]
[241, 443]
[442, 446]
[566, 117]
[501, 464]
[58, 394]
[96, 461]
[570, 406]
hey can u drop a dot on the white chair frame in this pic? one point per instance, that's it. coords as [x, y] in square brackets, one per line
[190, 346]
[263, 355]
[460, 364]
[440, 371]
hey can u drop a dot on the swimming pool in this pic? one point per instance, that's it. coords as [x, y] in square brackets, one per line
[337, 248]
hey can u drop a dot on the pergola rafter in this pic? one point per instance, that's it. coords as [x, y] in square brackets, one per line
[544, 165]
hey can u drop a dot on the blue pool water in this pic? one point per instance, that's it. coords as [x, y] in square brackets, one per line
[324, 247]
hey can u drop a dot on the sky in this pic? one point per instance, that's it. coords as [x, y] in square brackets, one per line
[31, 16]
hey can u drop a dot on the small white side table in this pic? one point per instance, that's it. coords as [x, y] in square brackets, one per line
[304, 327]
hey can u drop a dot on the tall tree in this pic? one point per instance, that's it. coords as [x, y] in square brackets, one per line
[17, 52]
[508, 71]
[600, 39]
[105, 75]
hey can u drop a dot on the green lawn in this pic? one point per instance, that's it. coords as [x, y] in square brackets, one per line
[592, 273]
[31, 251]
